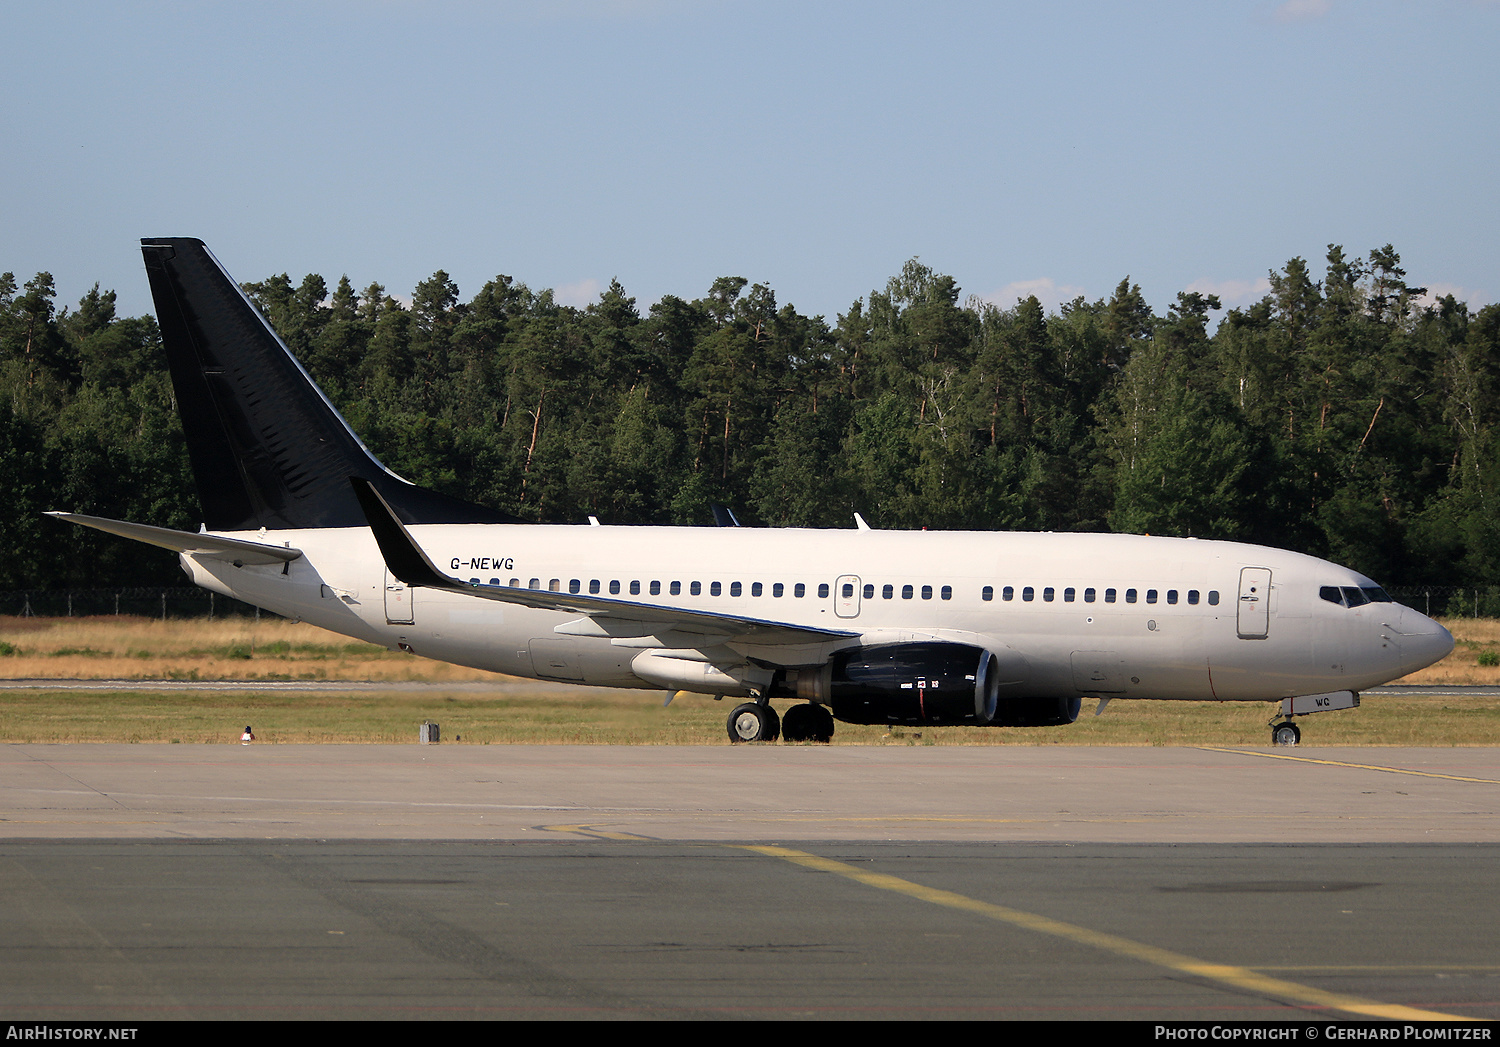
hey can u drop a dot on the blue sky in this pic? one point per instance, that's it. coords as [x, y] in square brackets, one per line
[1019, 147]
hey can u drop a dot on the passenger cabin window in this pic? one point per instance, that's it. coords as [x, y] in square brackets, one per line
[907, 592]
[1069, 595]
[1150, 595]
[947, 592]
[1009, 593]
[887, 592]
[869, 592]
[799, 590]
[734, 588]
[614, 587]
[777, 590]
[1048, 593]
[574, 585]
[823, 591]
[755, 589]
[927, 592]
[1109, 596]
[1213, 597]
[635, 588]
[1192, 596]
[594, 586]
[655, 588]
[1028, 594]
[987, 593]
[695, 588]
[1130, 596]
[714, 588]
[1088, 596]
[675, 589]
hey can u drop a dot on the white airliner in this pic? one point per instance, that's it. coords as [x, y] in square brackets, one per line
[860, 625]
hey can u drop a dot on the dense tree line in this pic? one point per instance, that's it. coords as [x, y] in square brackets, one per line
[1336, 415]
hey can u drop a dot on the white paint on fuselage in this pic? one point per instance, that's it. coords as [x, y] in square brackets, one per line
[1127, 650]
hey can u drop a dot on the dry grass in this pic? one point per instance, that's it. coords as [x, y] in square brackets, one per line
[121, 648]
[591, 716]
[130, 648]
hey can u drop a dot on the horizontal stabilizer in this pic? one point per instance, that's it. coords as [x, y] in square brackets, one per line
[408, 562]
[230, 550]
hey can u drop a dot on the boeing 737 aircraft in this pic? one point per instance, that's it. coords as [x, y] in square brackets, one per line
[860, 625]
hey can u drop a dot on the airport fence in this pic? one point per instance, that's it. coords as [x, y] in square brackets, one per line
[186, 601]
[1438, 601]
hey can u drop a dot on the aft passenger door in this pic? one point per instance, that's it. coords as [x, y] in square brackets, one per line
[1255, 603]
[398, 609]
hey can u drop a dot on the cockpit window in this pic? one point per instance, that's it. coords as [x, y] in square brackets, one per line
[1355, 596]
[1376, 594]
[1332, 594]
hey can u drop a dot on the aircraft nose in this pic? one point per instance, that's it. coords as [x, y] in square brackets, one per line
[1423, 641]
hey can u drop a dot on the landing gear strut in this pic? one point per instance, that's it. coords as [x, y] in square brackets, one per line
[754, 722]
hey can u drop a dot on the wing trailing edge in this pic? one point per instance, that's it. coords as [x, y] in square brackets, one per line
[625, 620]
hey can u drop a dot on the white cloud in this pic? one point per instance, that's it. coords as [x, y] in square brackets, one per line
[1049, 292]
[1475, 300]
[580, 295]
[1233, 293]
[1302, 10]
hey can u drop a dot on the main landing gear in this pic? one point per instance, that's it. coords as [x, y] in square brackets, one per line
[758, 722]
[807, 723]
[754, 722]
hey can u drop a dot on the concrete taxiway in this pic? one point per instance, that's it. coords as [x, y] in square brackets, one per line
[450, 881]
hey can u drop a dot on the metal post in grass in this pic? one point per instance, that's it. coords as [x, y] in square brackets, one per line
[163, 605]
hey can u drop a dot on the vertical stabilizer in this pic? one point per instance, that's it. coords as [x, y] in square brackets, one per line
[267, 448]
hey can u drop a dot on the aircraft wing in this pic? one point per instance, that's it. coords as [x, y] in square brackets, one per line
[648, 625]
[230, 550]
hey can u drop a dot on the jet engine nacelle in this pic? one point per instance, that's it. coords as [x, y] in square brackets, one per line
[931, 682]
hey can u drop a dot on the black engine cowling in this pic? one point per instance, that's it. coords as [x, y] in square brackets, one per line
[931, 682]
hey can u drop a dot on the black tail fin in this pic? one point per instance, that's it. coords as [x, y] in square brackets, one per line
[267, 448]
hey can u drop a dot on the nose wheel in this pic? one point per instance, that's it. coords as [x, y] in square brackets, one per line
[1287, 734]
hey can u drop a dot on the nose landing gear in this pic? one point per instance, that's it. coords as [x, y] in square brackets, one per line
[1287, 734]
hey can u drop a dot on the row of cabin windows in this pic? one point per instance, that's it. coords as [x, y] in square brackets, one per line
[1070, 595]
[654, 588]
[887, 592]
[778, 589]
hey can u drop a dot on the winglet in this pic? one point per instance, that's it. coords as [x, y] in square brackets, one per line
[402, 555]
